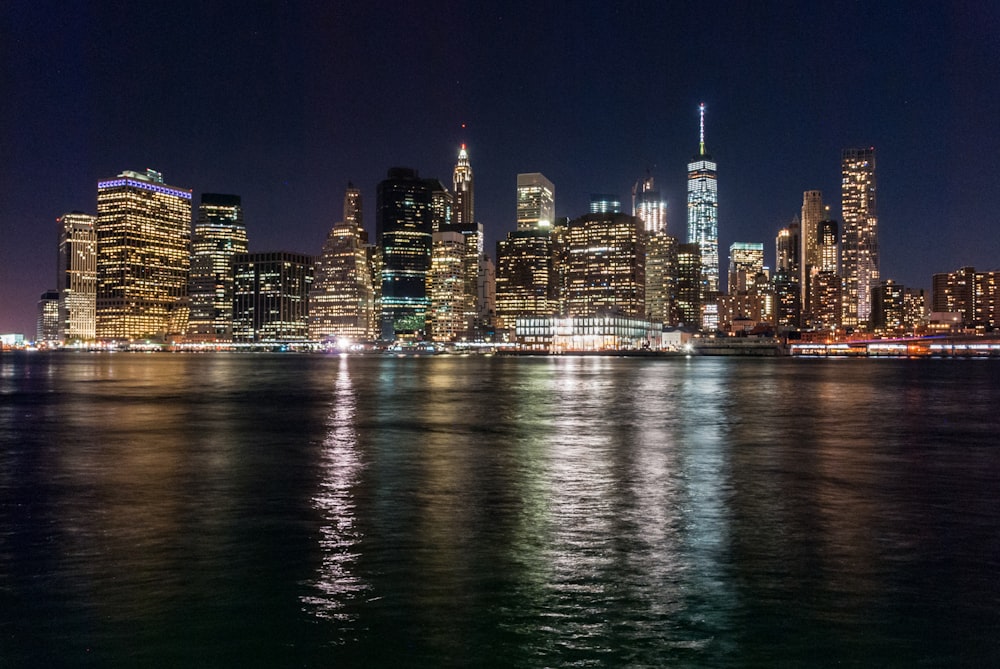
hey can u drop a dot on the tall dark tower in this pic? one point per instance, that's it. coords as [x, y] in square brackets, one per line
[463, 209]
[219, 234]
[404, 227]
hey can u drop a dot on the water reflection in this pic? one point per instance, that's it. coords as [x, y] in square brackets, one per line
[341, 466]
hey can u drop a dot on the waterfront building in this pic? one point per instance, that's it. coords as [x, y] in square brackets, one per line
[524, 276]
[649, 207]
[605, 203]
[972, 294]
[600, 263]
[742, 312]
[342, 295]
[536, 202]
[888, 314]
[813, 211]
[76, 278]
[47, 325]
[703, 214]
[787, 304]
[449, 310]
[143, 256]
[464, 191]
[486, 297]
[565, 334]
[688, 305]
[271, 297]
[825, 293]
[219, 234]
[860, 235]
[661, 278]
[746, 266]
[407, 211]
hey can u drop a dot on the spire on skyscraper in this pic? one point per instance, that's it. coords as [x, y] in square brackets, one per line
[701, 142]
[464, 211]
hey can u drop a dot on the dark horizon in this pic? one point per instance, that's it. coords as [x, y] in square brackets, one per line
[284, 106]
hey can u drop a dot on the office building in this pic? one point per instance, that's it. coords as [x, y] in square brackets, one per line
[786, 247]
[600, 263]
[746, 266]
[407, 211]
[143, 256]
[972, 294]
[688, 304]
[860, 235]
[77, 277]
[703, 214]
[661, 278]
[605, 203]
[463, 208]
[449, 312]
[524, 276]
[649, 207]
[271, 297]
[813, 211]
[342, 295]
[47, 325]
[536, 202]
[219, 234]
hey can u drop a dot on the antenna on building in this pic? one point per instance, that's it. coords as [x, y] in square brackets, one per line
[701, 144]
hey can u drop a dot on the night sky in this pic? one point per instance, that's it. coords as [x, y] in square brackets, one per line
[284, 105]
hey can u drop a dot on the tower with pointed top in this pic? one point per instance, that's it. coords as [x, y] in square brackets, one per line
[703, 213]
[463, 210]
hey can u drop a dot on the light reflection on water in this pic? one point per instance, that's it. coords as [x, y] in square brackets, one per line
[498, 512]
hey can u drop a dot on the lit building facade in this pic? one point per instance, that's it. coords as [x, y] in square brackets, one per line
[605, 203]
[405, 222]
[860, 235]
[974, 295]
[271, 297]
[661, 278]
[825, 293]
[143, 256]
[536, 202]
[786, 248]
[746, 266]
[47, 324]
[342, 295]
[77, 277]
[464, 206]
[813, 211]
[449, 310]
[524, 276]
[689, 285]
[219, 234]
[703, 214]
[649, 207]
[600, 263]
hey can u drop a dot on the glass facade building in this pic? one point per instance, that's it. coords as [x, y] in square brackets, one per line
[860, 235]
[271, 297]
[219, 234]
[536, 201]
[143, 256]
[703, 214]
[77, 277]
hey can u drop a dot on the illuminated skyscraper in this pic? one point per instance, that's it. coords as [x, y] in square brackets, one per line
[860, 247]
[524, 276]
[813, 211]
[271, 297]
[342, 296]
[600, 263]
[746, 266]
[219, 234]
[605, 203]
[703, 213]
[463, 207]
[404, 225]
[77, 279]
[689, 285]
[449, 312]
[143, 256]
[536, 202]
[648, 206]
[661, 278]
[47, 326]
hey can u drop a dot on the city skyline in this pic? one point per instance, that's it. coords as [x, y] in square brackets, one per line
[275, 114]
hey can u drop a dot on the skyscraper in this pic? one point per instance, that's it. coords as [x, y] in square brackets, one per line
[605, 203]
[449, 312]
[746, 264]
[536, 201]
[600, 262]
[661, 278]
[524, 276]
[219, 234]
[77, 279]
[47, 326]
[689, 285]
[860, 246]
[703, 213]
[813, 211]
[648, 206]
[143, 256]
[342, 296]
[271, 297]
[404, 225]
[463, 208]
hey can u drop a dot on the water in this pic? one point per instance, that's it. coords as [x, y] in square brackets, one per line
[292, 510]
